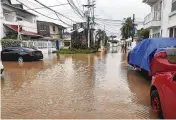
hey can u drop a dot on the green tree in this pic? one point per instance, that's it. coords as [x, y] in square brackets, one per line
[101, 36]
[126, 28]
[143, 33]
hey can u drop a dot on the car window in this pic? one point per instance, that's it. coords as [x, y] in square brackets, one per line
[171, 54]
[7, 50]
[28, 49]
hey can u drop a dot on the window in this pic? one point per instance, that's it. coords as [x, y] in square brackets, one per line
[173, 5]
[54, 28]
[171, 32]
[43, 27]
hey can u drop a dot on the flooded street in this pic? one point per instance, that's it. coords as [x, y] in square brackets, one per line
[74, 86]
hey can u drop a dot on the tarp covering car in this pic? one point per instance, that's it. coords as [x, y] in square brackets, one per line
[141, 55]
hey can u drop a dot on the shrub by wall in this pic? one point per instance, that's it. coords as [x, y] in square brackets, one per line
[10, 43]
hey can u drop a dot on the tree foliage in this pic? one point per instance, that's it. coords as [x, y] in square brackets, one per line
[126, 28]
[143, 33]
[101, 36]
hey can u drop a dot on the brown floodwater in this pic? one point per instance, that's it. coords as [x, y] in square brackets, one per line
[74, 86]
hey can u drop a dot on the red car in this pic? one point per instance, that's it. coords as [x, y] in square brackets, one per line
[163, 95]
[163, 61]
[163, 87]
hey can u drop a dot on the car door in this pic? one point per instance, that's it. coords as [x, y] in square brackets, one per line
[14, 53]
[170, 99]
[6, 54]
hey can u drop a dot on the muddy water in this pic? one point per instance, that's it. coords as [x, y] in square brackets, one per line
[74, 86]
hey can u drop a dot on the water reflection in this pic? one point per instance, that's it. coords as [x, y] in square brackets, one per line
[74, 86]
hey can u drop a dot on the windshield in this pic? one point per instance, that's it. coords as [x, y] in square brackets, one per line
[171, 54]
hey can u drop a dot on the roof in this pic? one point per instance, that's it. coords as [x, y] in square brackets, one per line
[18, 8]
[51, 23]
[23, 32]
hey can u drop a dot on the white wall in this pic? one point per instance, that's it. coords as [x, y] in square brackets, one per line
[1, 24]
[167, 5]
[167, 21]
[28, 23]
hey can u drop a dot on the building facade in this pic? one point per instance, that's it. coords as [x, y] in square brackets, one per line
[15, 19]
[49, 29]
[161, 21]
[18, 21]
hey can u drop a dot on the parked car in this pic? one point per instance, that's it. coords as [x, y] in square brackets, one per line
[20, 54]
[163, 94]
[164, 60]
[145, 55]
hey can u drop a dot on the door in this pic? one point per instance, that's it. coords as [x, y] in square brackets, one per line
[170, 99]
[6, 54]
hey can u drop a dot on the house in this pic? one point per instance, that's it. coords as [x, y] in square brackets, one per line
[52, 31]
[161, 20]
[14, 20]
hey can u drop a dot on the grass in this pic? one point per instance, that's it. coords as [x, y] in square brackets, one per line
[77, 51]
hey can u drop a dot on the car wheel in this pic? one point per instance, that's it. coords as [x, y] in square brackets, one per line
[20, 60]
[156, 104]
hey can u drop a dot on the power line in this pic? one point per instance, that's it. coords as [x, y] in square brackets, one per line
[48, 6]
[75, 9]
[54, 11]
[37, 11]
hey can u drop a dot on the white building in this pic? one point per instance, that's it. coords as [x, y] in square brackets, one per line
[162, 19]
[13, 15]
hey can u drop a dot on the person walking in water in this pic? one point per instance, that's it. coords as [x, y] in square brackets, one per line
[125, 47]
[122, 47]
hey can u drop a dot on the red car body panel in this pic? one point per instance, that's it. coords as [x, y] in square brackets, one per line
[166, 88]
[161, 65]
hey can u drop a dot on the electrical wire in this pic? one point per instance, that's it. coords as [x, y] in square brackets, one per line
[49, 6]
[75, 9]
[54, 11]
[37, 11]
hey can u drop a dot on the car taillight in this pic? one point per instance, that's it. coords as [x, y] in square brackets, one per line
[161, 55]
[30, 53]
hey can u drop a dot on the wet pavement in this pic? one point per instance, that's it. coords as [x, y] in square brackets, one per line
[75, 86]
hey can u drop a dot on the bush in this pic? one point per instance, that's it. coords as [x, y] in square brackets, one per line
[10, 43]
[77, 51]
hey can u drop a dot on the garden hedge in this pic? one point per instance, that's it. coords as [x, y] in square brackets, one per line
[10, 43]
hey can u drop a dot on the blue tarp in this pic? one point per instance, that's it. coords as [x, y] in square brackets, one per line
[142, 53]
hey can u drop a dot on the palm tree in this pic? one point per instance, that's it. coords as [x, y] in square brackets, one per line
[126, 28]
[101, 36]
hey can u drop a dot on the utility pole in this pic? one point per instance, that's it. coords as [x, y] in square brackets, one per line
[89, 9]
[88, 23]
[133, 32]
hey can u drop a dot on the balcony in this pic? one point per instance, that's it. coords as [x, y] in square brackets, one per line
[152, 20]
[27, 26]
[150, 2]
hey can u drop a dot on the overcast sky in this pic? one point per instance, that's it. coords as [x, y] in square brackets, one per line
[108, 9]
